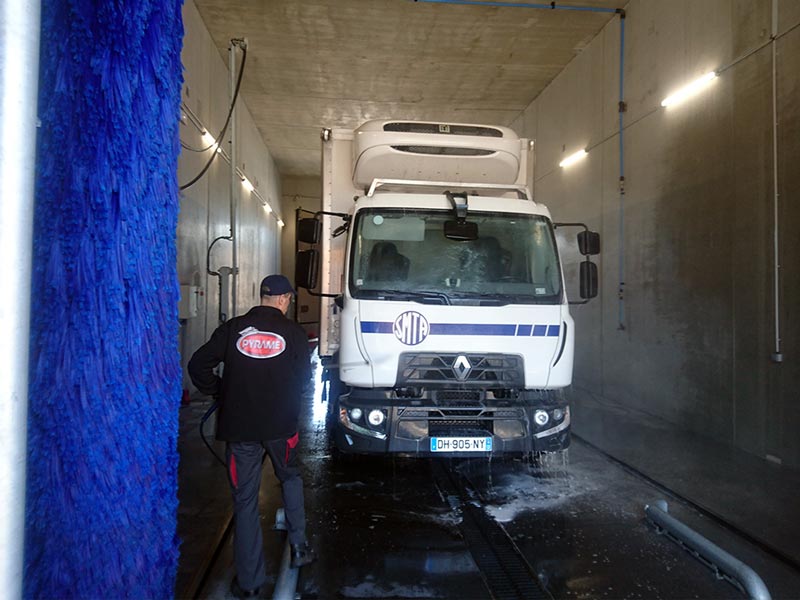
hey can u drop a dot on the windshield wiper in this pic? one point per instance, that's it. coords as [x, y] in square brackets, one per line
[502, 299]
[488, 298]
[412, 295]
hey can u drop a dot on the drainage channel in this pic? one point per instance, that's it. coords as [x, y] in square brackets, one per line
[505, 572]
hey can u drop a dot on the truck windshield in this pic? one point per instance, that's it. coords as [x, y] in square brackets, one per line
[402, 254]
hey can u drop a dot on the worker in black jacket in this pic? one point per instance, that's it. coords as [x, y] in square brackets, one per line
[266, 365]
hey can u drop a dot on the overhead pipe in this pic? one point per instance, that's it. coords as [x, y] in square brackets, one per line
[19, 77]
[550, 6]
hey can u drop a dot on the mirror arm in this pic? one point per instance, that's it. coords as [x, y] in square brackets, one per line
[343, 228]
[322, 295]
[344, 216]
[557, 225]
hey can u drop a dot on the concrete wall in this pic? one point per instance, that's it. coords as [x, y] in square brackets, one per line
[696, 332]
[205, 206]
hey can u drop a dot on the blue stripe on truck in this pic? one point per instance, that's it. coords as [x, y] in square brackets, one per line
[471, 329]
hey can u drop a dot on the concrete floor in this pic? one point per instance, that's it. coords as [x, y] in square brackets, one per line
[385, 528]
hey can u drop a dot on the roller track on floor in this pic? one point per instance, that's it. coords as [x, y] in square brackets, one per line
[706, 512]
[202, 578]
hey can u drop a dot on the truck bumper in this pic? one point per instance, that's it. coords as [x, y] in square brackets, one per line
[409, 430]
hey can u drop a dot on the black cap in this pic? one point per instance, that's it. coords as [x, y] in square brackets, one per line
[276, 285]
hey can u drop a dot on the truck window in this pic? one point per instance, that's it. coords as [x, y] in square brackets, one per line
[405, 250]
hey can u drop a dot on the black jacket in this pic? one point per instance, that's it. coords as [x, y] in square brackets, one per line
[267, 364]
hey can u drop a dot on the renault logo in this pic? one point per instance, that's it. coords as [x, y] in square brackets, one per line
[461, 367]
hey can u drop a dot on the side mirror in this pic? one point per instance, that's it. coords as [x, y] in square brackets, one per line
[461, 231]
[589, 243]
[588, 276]
[308, 231]
[306, 269]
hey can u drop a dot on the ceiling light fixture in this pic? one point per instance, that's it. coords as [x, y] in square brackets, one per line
[689, 90]
[208, 139]
[573, 158]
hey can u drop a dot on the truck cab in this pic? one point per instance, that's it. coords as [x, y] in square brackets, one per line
[446, 309]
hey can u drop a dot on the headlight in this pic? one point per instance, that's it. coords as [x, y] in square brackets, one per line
[541, 417]
[558, 414]
[355, 414]
[376, 417]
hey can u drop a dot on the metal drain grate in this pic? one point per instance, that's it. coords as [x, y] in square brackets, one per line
[504, 570]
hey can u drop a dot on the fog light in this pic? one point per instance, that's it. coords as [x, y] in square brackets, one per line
[355, 414]
[376, 417]
[541, 417]
[558, 414]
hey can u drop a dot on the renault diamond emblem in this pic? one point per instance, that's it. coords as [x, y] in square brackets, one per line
[461, 367]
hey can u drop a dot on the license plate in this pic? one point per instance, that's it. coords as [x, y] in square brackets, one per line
[461, 444]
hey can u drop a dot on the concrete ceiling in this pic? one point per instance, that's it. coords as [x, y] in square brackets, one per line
[337, 63]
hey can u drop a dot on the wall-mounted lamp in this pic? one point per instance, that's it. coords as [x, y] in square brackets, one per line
[247, 185]
[573, 158]
[689, 90]
[267, 208]
[280, 222]
[208, 139]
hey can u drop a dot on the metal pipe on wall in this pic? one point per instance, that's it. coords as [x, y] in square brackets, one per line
[235, 181]
[622, 108]
[777, 356]
[19, 76]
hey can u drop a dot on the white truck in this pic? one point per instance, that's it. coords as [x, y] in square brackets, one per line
[443, 311]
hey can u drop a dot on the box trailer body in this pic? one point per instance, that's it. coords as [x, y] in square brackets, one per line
[444, 312]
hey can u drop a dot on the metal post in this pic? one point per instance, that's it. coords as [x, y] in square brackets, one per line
[19, 76]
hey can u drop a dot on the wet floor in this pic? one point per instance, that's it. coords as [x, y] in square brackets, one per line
[394, 528]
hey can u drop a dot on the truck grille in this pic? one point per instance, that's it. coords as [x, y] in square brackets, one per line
[458, 396]
[460, 427]
[461, 370]
[418, 422]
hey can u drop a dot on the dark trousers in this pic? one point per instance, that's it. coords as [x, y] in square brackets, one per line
[244, 473]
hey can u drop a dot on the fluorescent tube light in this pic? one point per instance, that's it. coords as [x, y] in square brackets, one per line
[208, 139]
[247, 185]
[573, 158]
[267, 208]
[689, 90]
[280, 222]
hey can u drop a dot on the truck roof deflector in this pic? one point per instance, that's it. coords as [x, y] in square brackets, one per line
[521, 190]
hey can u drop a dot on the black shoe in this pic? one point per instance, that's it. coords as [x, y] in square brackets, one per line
[302, 554]
[240, 592]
